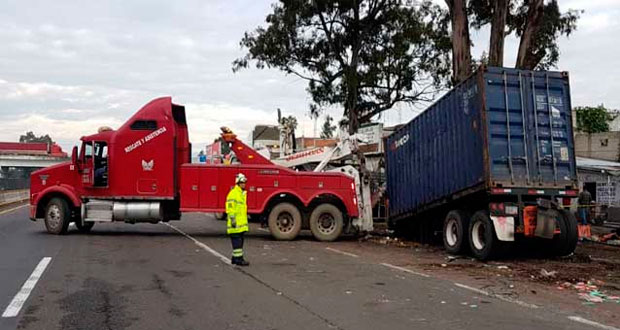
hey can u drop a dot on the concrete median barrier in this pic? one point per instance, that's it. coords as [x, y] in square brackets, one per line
[13, 196]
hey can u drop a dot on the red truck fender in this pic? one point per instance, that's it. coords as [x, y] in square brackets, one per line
[326, 193]
[288, 194]
[63, 190]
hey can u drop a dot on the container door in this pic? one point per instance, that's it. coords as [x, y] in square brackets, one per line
[522, 149]
[551, 129]
[509, 156]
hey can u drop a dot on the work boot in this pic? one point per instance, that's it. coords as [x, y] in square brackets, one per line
[242, 262]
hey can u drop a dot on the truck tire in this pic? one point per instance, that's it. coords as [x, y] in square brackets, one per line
[483, 243]
[84, 227]
[284, 222]
[57, 216]
[455, 232]
[326, 222]
[565, 242]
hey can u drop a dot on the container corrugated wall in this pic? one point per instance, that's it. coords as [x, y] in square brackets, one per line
[442, 151]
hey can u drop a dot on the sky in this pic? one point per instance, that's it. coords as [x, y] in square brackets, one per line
[69, 67]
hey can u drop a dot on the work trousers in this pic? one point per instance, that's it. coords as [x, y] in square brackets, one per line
[237, 245]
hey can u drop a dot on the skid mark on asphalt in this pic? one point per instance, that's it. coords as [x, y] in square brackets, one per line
[591, 323]
[256, 279]
[20, 298]
[498, 296]
[406, 270]
[342, 252]
[200, 244]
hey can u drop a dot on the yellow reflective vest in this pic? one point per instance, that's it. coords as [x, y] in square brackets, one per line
[237, 209]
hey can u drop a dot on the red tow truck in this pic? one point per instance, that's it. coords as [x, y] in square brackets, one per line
[142, 172]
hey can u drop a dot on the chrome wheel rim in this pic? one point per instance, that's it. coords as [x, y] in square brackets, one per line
[477, 236]
[452, 232]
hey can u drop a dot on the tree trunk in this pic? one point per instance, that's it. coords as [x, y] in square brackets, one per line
[461, 45]
[498, 33]
[526, 58]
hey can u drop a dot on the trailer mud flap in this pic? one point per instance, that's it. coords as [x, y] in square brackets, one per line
[504, 228]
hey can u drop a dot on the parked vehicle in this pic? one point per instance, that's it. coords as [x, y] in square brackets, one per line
[490, 159]
[142, 172]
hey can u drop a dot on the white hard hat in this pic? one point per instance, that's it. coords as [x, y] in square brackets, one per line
[240, 178]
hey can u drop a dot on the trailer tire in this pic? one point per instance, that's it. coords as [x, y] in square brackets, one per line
[566, 241]
[284, 222]
[57, 216]
[483, 243]
[84, 227]
[326, 222]
[455, 232]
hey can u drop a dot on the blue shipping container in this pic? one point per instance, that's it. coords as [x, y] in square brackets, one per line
[500, 128]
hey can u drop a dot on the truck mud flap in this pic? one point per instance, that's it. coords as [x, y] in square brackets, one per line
[504, 228]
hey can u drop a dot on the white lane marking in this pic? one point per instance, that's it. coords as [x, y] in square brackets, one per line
[406, 270]
[592, 323]
[20, 298]
[13, 209]
[342, 252]
[497, 296]
[200, 244]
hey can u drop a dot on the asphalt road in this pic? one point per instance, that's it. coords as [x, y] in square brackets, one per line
[147, 276]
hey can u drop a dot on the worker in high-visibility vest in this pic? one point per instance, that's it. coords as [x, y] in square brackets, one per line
[237, 224]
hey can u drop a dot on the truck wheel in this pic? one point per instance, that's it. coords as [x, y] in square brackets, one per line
[482, 240]
[57, 216]
[84, 227]
[565, 242]
[284, 221]
[326, 222]
[455, 228]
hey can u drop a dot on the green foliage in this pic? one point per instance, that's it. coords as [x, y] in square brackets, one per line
[594, 119]
[555, 24]
[365, 55]
[327, 132]
[30, 137]
[289, 122]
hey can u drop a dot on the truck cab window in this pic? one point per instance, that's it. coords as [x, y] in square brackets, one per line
[101, 164]
[87, 151]
[144, 125]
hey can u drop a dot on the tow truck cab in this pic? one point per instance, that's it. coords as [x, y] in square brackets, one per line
[142, 172]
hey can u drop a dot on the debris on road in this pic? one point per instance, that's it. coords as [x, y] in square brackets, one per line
[546, 273]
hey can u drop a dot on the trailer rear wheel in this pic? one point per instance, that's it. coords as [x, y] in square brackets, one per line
[284, 221]
[565, 242]
[57, 216]
[455, 228]
[326, 222]
[482, 240]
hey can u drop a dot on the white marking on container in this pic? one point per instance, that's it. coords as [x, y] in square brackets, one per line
[406, 270]
[200, 244]
[342, 252]
[592, 323]
[497, 296]
[20, 298]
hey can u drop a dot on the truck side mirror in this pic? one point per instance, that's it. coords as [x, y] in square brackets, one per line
[74, 155]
